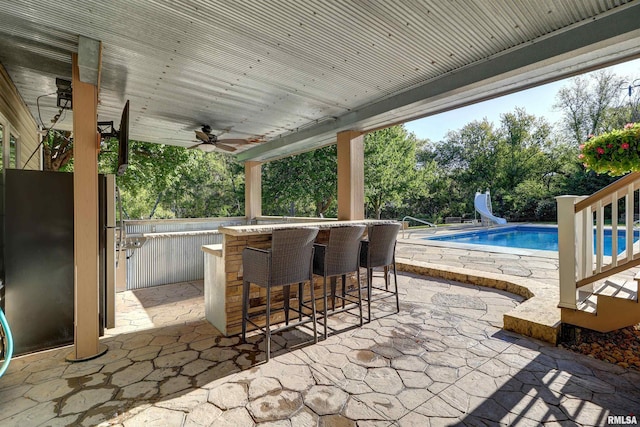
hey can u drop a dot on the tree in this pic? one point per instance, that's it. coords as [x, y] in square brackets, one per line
[57, 147]
[209, 186]
[523, 142]
[465, 162]
[153, 168]
[588, 104]
[390, 171]
[479, 157]
[304, 184]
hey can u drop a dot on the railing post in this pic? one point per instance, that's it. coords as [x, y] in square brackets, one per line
[567, 250]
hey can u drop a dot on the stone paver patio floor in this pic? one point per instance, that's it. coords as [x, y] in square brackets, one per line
[529, 273]
[443, 360]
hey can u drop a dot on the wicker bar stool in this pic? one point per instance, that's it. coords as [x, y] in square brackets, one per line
[289, 261]
[380, 251]
[338, 258]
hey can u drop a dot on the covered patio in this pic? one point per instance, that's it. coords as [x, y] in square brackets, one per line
[287, 79]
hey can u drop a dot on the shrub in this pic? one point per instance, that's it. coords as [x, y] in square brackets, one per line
[547, 210]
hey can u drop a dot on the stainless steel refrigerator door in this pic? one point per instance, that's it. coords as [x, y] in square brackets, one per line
[110, 249]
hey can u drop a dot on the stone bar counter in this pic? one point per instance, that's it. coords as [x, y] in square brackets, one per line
[223, 271]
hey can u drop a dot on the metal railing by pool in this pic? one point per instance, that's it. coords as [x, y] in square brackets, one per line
[404, 223]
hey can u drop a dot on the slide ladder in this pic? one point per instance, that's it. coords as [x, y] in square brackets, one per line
[482, 203]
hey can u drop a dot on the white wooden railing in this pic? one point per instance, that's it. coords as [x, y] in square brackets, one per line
[580, 220]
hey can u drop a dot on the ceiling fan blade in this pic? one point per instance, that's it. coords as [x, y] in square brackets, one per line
[234, 141]
[194, 146]
[202, 136]
[225, 147]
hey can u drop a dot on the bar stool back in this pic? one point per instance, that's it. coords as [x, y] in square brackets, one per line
[288, 261]
[379, 251]
[338, 258]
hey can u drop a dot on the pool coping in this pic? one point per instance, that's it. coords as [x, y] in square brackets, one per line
[483, 248]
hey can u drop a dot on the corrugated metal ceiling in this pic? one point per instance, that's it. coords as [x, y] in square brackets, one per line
[270, 68]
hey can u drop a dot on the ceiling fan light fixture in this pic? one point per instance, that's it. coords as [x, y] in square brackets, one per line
[207, 148]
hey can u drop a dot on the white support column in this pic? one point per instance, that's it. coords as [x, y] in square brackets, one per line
[567, 250]
[252, 190]
[350, 175]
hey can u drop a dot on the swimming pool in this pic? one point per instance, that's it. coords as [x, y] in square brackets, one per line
[527, 237]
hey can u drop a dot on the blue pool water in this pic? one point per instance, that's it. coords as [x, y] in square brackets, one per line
[527, 237]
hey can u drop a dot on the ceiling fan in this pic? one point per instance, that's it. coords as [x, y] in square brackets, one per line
[209, 142]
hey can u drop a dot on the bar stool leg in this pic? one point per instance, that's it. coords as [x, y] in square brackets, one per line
[333, 293]
[245, 309]
[285, 297]
[359, 295]
[300, 300]
[395, 276]
[344, 289]
[313, 311]
[369, 291]
[268, 326]
[326, 303]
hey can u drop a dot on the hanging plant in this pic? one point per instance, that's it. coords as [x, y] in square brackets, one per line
[615, 153]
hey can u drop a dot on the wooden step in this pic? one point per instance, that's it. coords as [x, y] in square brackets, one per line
[588, 302]
[610, 306]
[626, 290]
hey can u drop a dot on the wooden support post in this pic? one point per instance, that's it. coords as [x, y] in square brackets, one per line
[350, 175]
[85, 206]
[253, 190]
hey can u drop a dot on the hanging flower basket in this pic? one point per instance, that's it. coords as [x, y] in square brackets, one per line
[614, 153]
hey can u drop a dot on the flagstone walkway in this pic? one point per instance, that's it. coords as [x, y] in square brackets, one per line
[443, 360]
[530, 274]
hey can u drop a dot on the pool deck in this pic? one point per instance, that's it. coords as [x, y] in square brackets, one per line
[528, 273]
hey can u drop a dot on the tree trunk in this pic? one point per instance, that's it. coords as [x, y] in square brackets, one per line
[155, 206]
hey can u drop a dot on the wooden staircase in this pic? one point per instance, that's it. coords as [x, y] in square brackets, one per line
[609, 307]
[589, 297]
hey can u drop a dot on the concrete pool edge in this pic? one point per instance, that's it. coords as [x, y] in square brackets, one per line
[536, 317]
[486, 248]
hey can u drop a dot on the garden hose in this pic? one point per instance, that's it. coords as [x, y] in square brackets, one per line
[9, 349]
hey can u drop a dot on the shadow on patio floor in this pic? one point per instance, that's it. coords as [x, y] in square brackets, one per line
[441, 361]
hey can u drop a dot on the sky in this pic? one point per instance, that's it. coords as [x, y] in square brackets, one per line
[436, 127]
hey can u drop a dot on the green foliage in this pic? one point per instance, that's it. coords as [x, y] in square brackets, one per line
[615, 152]
[390, 169]
[506, 160]
[301, 185]
[547, 210]
[211, 185]
[521, 203]
[57, 150]
[588, 105]
[165, 181]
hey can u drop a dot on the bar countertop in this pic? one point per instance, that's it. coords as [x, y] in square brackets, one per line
[248, 230]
